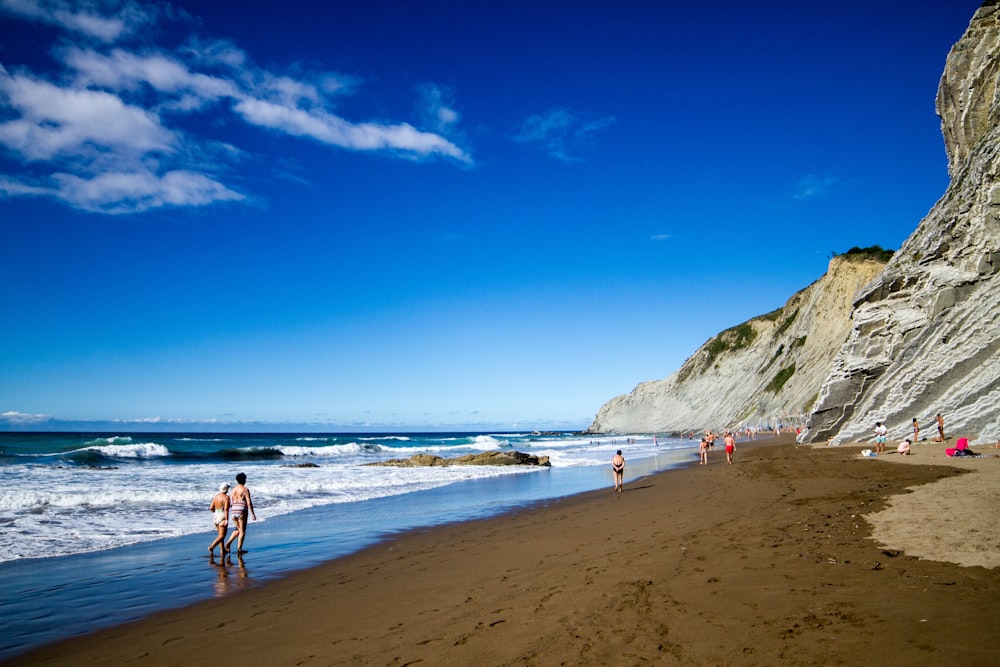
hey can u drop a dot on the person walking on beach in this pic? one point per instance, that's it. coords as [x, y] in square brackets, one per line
[940, 424]
[618, 466]
[703, 452]
[730, 447]
[220, 518]
[241, 504]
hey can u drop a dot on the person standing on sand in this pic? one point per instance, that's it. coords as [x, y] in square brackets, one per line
[220, 517]
[880, 434]
[618, 466]
[241, 504]
[703, 452]
[730, 447]
[940, 424]
[916, 431]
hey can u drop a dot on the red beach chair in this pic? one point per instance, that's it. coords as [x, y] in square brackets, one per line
[961, 445]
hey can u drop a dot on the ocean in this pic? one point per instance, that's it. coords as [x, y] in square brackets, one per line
[99, 529]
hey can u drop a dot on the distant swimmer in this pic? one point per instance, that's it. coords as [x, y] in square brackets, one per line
[220, 517]
[618, 466]
[241, 504]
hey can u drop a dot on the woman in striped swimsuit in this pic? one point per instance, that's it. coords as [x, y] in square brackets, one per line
[239, 507]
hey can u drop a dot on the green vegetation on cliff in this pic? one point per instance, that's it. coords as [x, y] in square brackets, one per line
[871, 252]
[735, 338]
[787, 323]
[780, 379]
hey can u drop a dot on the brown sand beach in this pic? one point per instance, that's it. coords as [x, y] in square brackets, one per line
[793, 555]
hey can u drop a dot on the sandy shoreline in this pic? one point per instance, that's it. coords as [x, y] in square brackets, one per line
[769, 560]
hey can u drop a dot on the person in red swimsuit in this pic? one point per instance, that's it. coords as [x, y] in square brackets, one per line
[730, 447]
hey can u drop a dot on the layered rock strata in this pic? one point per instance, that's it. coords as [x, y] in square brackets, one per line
[926, 332]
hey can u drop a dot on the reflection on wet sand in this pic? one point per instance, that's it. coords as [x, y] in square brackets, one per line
[230, 578]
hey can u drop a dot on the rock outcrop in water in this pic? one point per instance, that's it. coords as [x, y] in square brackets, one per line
[482, 459]
[865, 343]
[926, 332]
[763, 370]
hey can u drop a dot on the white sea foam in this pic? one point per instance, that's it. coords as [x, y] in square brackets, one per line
[349, 449]
[140, 450]
[100, 506]
[112, 440]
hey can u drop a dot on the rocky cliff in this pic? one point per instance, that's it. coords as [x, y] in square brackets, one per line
[763, 370]
[867, 342]
[926, 332]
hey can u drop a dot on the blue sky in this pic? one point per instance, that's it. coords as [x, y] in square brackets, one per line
[432, 215]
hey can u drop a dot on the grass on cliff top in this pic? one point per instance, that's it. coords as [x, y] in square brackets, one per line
[875, 252]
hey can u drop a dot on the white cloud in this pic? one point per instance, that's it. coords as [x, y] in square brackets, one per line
[330, 129]
[54, 121]
[103, 134]
[121, 70]
[133, 192]
[562, 133]
[660, 237]
[119, 19]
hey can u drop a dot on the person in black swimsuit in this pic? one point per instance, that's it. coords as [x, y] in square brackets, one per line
[618, 466]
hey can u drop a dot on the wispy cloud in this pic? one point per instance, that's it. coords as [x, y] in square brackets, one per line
[437, 109]
[811, 186]
[103, 21]
[12, 417]
[562, 133]
[660, 237]
[104, 132]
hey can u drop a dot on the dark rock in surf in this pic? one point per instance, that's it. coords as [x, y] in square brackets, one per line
[483, 459]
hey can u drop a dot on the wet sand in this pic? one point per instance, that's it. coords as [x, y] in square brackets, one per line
[770, 560]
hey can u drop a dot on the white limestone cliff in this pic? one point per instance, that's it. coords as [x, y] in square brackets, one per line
[867, 342]
[926, 331]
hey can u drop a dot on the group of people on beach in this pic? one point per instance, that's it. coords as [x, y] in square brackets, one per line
[231, 506]
[707, 443]
[882, 432]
